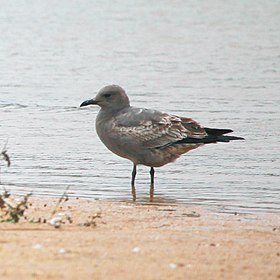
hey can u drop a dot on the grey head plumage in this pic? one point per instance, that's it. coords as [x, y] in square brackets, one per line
[110, 98]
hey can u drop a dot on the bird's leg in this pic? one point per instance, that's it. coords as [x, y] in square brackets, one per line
[152, 186]
[133, 190]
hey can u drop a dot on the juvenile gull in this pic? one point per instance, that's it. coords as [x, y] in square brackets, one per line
[146, 136]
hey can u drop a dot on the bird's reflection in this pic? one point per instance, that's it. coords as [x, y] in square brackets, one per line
[159, 199]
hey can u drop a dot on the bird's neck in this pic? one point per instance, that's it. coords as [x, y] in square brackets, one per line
[111, 112]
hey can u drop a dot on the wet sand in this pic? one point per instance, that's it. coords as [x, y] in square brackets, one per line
[133, 241]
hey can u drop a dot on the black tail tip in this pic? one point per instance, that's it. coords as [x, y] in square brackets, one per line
[230, 138]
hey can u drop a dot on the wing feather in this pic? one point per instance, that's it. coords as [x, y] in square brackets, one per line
[155, 129]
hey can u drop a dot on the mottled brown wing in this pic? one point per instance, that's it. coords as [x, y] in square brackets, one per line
[155, 129]
[173, 128]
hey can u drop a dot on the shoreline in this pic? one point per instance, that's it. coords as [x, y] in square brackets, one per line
[98, 239]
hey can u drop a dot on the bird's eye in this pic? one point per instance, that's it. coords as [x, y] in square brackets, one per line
[107, 95]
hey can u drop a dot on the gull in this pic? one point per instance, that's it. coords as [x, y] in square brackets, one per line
[145, 136]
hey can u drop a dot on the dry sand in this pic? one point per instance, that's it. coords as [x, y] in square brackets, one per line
[133, 241]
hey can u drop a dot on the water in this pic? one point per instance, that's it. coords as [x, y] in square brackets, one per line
[215, 61]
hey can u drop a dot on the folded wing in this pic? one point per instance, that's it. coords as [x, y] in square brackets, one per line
[155, 129]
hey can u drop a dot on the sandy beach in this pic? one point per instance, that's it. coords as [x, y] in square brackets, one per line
[90, 239]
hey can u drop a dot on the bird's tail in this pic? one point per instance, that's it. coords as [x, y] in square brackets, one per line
[214, 135]
[219, 133]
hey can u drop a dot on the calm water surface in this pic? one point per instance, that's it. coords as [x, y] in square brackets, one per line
[214, 61]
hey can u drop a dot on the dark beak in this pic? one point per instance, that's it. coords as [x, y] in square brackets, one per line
[89, 102]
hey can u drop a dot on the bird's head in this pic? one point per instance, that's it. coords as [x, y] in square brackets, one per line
[110, 97]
